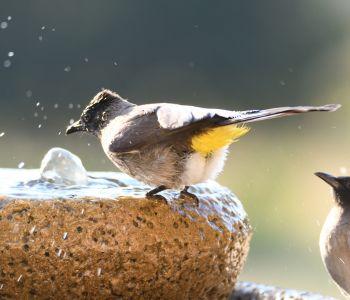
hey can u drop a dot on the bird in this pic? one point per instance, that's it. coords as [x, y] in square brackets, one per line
[335, 234]
[166, 145]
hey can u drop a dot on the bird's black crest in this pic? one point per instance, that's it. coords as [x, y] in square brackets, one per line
[103, 97]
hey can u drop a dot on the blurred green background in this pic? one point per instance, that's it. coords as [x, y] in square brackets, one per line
[226, 54]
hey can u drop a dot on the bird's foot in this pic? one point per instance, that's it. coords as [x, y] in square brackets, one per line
[152, 194]
[186, 194]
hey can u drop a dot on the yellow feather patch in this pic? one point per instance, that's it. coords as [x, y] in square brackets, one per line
[216, 138]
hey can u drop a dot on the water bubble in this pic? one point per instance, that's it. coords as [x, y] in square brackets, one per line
[71, 121]
[37, 104]
[115, 63]
[43, 27]
[40, 125]
[3, 25]
[9, 18]
[53, 29]
[67, 69]
[55, 105]
[70, 105]
[40, 38]
[86, 59]
[2, 134]
[7, 63]
[21, 165]
[10, 54]
[29, 94]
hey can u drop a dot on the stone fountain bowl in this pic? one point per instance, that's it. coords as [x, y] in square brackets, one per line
[105, 240]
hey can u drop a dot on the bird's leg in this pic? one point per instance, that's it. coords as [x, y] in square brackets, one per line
[155, 191]
[186, 193]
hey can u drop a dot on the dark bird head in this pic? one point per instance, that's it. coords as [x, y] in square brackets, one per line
[340, 185]
[99, 112]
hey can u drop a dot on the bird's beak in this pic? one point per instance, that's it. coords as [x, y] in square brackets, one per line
[75, 127]
[331, 180]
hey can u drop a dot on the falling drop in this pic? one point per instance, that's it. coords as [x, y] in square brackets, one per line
[9, 18]
[21, 165]
[71, 121]
[2, 134]
[43, 27]
[29, 94]
[7, 63]
[115, 63]
[39, 126]
[37, 104]
[55, 105]
[3, 25]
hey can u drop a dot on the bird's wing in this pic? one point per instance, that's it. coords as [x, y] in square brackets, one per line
[156, 123]
[172, 116]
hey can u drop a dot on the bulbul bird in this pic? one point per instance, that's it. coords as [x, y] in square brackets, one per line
[335, 234]
[170, 145]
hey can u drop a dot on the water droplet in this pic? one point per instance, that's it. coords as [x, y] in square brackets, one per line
[59, 132]
[45, 117]
[9, 18]
[71, 121]
[67, 69]
[290, 70]
[282, 83]
[42, 108]
[37, 104]
[10, 54]
[36, 115]
[88, 144]
[65, 235]
[191, 64]
[2, 134]
[40, 38]
[29, 94]
[86, 59]
[115, 63]
[53, 29]
[40, 125]
[43, 27]
[78, 106]
[55, 105]
[7, 63]
[70, 105]
[21, 165]
[3, 25]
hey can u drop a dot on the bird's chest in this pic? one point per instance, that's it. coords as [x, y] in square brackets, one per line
[335, 247]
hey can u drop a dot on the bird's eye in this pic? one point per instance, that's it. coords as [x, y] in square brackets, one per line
[86, 117]
[104, 116]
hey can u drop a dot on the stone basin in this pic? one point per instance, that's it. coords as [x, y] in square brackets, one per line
[105, 240]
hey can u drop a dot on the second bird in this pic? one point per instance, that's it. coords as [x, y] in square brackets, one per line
[169, 145]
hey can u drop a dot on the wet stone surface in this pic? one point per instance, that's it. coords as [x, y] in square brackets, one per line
[249, 291]
[104, 240]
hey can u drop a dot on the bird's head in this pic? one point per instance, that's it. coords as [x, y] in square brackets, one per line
[340, 185]
[98, 113]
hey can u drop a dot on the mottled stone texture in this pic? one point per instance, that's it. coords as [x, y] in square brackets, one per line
[123, 248]
[253, 291]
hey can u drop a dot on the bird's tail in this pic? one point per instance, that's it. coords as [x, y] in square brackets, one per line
[259, 115]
